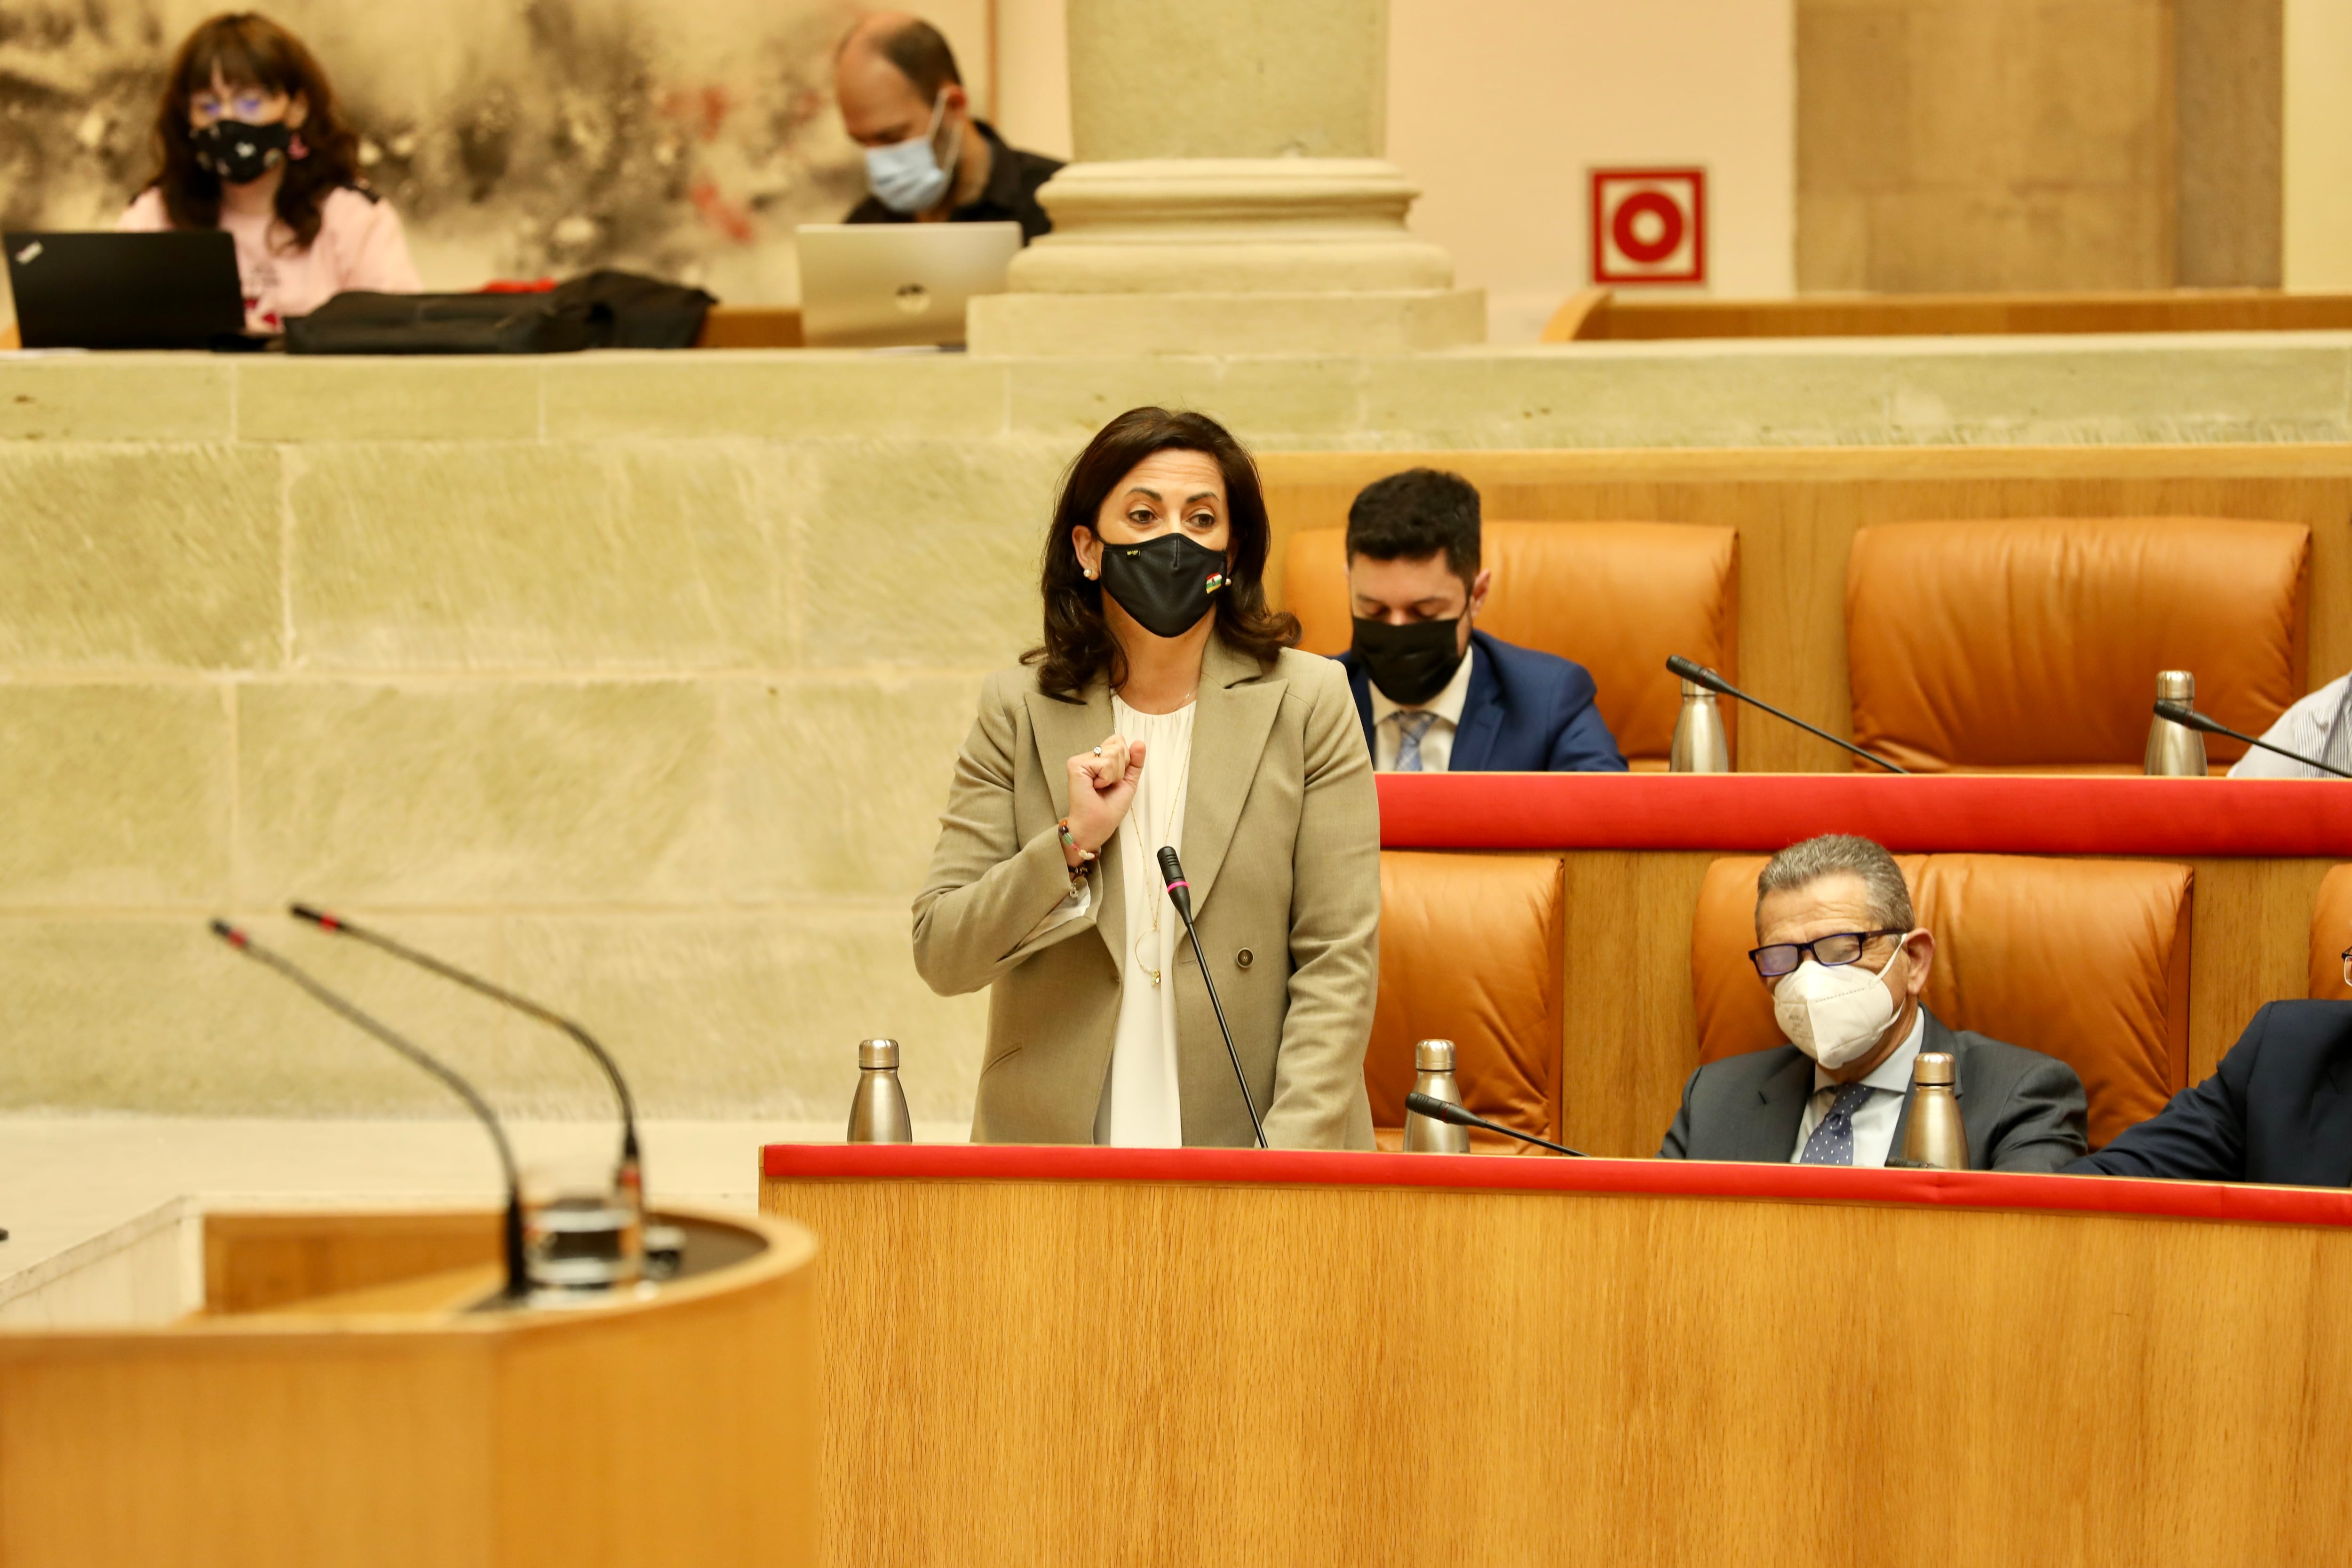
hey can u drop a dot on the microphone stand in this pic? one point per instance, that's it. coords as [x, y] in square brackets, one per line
[632, 1178]
[1444, 1110]
[1179, 893]
[1699, 675]
[517, 1284]
[2183, 714]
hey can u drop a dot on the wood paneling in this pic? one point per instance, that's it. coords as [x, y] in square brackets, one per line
[1094, 1373]
[678, 1429]
[1595, 315]
[255, 1262]
[1797, 511]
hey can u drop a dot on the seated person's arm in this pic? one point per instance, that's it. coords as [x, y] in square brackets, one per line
[1677, 1144]
[1585, 744]
[2200, 1136]
[2044, 1121]
[380, 260]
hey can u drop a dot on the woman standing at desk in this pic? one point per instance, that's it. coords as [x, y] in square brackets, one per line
[251, 143]
[1165, 707]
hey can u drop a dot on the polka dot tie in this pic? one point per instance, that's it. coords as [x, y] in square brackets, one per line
[1832, 1141]
[1411, 727]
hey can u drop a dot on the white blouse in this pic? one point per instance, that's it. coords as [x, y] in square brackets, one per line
[1140, 1109]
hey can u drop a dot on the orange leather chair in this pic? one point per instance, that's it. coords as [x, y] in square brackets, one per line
[1470, 952]
[1616, 597]
[2086, 961]
[2331, 934]
[2033, 644]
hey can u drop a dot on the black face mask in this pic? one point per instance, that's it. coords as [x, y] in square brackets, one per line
[1165, 584]
[241, 153]
[1411, 663]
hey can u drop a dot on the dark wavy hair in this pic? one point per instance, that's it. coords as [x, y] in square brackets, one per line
[248, 49]
[1079, 643]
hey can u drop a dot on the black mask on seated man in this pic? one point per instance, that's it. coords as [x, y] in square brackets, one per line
[1167, 584]
[1411, 663]
[240, 154]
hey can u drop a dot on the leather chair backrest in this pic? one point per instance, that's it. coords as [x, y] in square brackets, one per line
[2331, 934]
[1470, 952]
[2035, 642]
[1616, 597]
[2086, 961]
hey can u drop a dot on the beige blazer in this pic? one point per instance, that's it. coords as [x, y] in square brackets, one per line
[1281, 846]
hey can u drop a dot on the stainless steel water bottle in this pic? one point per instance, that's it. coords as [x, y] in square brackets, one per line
[2174, 750]
[1432, 1067]
[1934, 1136]
[1699, 744]
[878, 1114]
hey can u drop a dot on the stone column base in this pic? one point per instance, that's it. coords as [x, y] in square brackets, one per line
[1229, 256]
[1395, 321]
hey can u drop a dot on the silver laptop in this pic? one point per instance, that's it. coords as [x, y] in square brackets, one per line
[890, 285]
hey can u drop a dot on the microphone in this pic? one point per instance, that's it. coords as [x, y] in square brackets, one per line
[1442, 1110]
[1699, 675]
[2182, 713]
[517, 1285]
[632, 1178]
[1179, 893]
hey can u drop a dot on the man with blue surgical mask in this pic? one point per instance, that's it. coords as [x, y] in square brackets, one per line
[1846, 963]
[927, 159]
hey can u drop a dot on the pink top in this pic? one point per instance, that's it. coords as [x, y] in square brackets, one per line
[360, 245]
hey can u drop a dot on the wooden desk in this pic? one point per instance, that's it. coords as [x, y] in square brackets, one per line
[1599, 314]
[1077, 1356]
[337, 1406]
[1637, 845]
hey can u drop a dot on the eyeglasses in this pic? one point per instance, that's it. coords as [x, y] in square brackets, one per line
[1837, 948]
[2347, 956]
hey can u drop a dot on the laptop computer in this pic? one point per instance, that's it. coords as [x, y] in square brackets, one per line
[889, 285]
[172, 290]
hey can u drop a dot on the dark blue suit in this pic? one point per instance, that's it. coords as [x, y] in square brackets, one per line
[1525, 712]
[2279, 1109]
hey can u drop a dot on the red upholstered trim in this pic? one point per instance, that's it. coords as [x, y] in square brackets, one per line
[1945, 813]
[1656, 1178]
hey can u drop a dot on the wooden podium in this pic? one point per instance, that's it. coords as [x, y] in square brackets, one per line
[338, 1404]
[1079, 1355]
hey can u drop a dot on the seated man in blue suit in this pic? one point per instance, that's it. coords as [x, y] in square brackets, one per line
[2279, 1108]
[1435, 695]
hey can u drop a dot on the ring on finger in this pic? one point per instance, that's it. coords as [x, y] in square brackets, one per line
[1098, 750]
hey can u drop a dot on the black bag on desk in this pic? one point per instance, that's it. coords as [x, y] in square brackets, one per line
[602, 310]
[630, 312]
[440, 324]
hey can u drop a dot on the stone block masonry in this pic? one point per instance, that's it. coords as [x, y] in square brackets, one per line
[636, 680]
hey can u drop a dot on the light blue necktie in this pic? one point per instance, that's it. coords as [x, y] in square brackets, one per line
[1832, 1141]
[1411, 727]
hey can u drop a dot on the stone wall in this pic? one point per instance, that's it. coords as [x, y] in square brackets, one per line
[635, 679]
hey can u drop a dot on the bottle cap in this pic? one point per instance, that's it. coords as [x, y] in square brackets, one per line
[878, 1053]
[2176, 685]
[1932, 1068]
[1693, 688]
[1433, 1055]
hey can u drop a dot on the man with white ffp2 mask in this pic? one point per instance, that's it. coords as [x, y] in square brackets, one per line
[1841, 954]
[927, 158]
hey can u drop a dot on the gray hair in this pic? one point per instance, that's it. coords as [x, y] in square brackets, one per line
[1801, 865]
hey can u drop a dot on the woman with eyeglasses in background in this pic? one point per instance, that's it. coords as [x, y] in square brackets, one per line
[250, 141]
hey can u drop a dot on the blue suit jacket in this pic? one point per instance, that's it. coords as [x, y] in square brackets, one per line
[1527, 712]
[2278, 1109]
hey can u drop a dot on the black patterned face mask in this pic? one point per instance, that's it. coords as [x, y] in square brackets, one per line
[240, 154]
[1411, 663]
[1166, 584]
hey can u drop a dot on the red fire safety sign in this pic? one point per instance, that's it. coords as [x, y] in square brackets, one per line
[1649, 225]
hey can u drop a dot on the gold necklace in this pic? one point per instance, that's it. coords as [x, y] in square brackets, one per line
[1168, 828]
